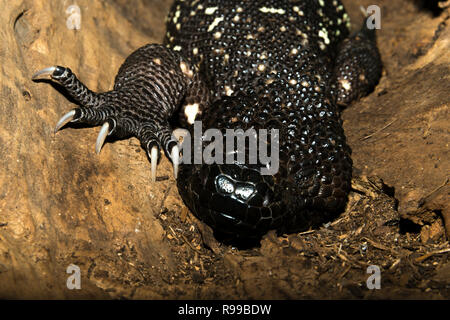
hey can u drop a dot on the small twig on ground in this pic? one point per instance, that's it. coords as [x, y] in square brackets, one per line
[353, 263]
[305, 232]
[396, 262]
[345, 272]
[379, 130]
[190, 244]
[430, 254]
[173, 232]
[380, 246]
[424, 199]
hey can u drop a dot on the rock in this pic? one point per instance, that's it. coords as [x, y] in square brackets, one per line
[433, 232]
[60, 201]
[400, 132]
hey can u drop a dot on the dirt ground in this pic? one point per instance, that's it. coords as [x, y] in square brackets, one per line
[60, 204]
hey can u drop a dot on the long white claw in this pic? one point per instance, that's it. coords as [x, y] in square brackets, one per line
[64, 120]
[44, 73]
[175, 160]
[104, 131]
[154, 161]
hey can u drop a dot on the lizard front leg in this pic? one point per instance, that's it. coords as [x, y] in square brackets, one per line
[358, 66]
[153, 84]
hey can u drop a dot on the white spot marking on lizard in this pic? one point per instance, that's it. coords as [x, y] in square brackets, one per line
[176, 16]
[186, 70]
[215, 23]
[211, 10]
[272, 10]
[345, 84]
[228, 91]
[299, 12]
[323, 33]
[191, 111]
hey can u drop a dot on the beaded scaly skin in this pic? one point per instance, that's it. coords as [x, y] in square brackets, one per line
[276, 64]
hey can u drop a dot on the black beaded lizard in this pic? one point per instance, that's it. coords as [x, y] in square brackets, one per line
[268, 64]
